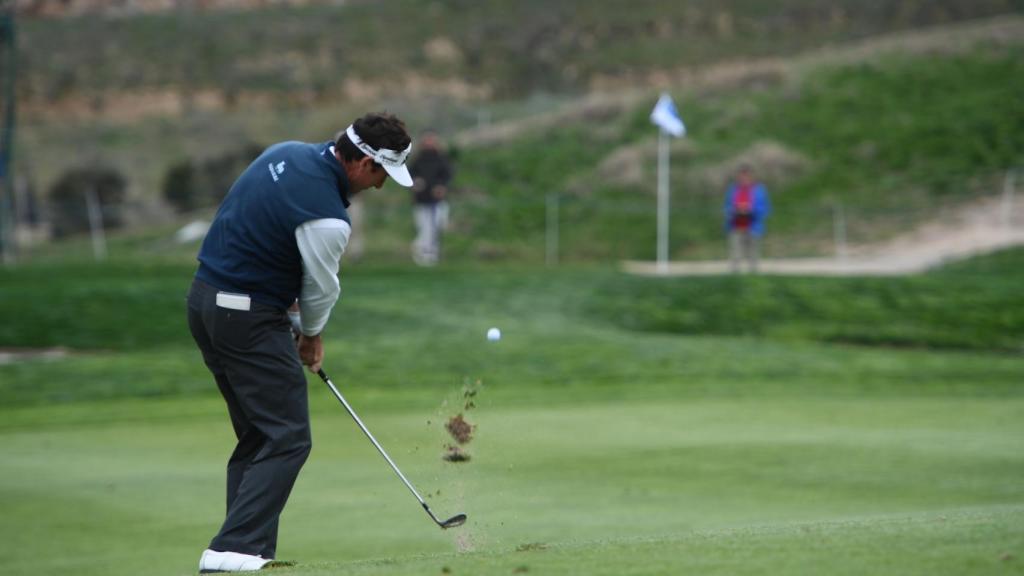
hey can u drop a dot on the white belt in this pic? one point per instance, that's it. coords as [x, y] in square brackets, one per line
[233, 301]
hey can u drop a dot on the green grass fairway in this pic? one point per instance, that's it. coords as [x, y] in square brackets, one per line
[599, 449]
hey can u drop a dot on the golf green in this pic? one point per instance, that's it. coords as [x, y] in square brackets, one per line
[596, 449]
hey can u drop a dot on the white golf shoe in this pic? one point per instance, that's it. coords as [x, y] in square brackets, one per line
[212, 561]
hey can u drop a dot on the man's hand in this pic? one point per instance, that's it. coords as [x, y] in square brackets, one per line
[311, 352]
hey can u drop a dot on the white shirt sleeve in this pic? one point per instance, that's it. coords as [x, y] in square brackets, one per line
[321, 244]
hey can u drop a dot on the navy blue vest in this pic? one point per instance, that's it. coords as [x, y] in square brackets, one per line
[251, 247]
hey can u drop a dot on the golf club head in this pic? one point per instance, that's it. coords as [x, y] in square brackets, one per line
[457, 520]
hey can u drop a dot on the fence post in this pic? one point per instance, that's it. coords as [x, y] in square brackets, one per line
[839, 230]
[7, 222]
[99, 240]
[1009, 186]
[551, 230]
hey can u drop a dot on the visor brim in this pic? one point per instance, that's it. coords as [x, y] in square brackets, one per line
[400, 174]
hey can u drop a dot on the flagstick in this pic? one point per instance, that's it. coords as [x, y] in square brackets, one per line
[662, 201]
[666, 118]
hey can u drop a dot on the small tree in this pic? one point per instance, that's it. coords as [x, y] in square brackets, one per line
[179, 189]
[68, 199]
[191, 184]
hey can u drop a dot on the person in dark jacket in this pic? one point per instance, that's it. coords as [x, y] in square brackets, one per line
[431, 171]
[275, 246]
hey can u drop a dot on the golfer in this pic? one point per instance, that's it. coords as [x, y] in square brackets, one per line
[269, 266]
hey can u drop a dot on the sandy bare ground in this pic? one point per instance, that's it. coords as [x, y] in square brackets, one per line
[985, 226]
[12, 355]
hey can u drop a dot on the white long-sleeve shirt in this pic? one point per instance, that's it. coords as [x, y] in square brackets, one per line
[321, 244]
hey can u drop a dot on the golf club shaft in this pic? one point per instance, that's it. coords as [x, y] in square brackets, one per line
[352, 413]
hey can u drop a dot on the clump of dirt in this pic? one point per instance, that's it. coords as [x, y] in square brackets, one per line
[468, 393]
[460, 430]
[455, 454]
[530, 546]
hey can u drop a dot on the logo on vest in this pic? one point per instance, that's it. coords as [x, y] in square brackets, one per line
[276, 171]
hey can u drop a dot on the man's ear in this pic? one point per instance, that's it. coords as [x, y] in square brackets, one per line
[367, 165]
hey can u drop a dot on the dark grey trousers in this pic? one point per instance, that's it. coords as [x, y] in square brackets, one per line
[254, 360]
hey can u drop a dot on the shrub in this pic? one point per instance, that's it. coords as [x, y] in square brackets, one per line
[69, 208]
[192, 184]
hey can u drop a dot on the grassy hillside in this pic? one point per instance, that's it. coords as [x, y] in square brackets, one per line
[892, 140]
[509, 47]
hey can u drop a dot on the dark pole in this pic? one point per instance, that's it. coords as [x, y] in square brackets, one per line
[9, 49]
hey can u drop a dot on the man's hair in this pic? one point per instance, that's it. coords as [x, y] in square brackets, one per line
[379, 130]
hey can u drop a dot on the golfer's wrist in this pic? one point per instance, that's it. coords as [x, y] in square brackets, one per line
[295, 318]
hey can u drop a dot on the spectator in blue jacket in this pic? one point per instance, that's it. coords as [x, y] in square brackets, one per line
[746, 209]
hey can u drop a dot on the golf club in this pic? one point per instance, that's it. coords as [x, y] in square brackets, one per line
[457, 520]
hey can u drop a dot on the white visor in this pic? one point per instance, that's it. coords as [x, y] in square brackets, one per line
[392, 160]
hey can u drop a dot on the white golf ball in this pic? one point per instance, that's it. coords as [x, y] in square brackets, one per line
[494, 334]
